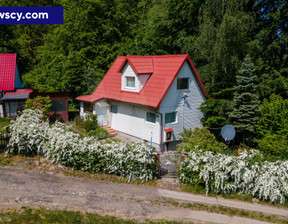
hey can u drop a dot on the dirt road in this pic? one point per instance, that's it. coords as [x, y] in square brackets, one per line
[20, 187]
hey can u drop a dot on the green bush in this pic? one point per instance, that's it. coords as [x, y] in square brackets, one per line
[272, 128]
[90, 123]
[41, 103]
[199, 138]
[99, 133]
[274, 146]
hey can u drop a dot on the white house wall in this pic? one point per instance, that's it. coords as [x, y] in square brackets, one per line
[101, 111]
[131, 119]
[1, 111]
[142, 80]
[188, 116]
[82, 109]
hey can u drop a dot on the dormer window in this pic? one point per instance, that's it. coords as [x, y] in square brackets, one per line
[130, 82]
[135, 72]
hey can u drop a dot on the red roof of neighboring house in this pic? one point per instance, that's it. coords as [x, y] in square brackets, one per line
[18, 94]
[164, 69]
[7, 71]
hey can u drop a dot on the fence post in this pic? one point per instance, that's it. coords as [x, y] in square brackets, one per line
[157, 157]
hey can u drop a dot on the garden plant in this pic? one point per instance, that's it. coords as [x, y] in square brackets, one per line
[30, 136]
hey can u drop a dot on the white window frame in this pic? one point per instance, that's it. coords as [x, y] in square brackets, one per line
[126, 82]
[176, 117]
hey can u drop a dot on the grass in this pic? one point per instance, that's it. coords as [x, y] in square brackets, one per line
[44, 216]
[225, 210]
[241, 197]
[3, 123]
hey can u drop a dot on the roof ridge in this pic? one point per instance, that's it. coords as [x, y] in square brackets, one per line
[155, 56]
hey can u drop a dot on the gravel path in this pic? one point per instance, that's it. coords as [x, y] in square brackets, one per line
[20, 187]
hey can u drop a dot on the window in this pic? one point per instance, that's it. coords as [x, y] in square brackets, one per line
[113, 109]
[130, 82]
[88, 107]
[58, 106]
[170, 117]
[182, 83]
[151, 117]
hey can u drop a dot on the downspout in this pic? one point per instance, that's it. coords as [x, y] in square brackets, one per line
[161, 131]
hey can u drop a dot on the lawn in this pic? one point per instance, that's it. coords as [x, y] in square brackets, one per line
[3, 123]
[45, 216]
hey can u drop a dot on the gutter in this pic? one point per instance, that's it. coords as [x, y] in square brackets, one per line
[161, 132]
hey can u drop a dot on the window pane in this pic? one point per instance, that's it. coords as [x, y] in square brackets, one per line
[88, 107]
[14, 106]
[22, 105]
[130, 81]
[182, 83]
[114, 109]
[151, 117]
[170, 117]
[7, 114]
[58, 106]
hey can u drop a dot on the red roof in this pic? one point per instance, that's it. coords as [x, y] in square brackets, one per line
[19, 92]
[164, 69]
[17, 95]
[7, 71]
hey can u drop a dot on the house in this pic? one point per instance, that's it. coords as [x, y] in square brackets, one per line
[12, 102]
[13, 95]
[148, 97]
[9, 76]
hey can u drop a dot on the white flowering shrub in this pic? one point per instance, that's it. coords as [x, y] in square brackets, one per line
[248, 173]
[30, 135]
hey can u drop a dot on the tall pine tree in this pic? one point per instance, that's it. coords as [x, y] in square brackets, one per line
[246, 109]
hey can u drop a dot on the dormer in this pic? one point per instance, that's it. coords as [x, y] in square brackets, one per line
[135, 72]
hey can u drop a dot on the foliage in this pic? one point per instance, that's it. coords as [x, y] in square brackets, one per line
[274, 146]
[99, 133]
[199, 138]
[274, 116]
[30, 136]
[90, 125]
[3, 124]
[40, 103]
[272, 127]
[215, 111]
[247, 174]
[246, 109]
[225, 29]
[90, 122]
[269, 47]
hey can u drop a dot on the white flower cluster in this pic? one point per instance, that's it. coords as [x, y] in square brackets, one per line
[31, 135]
[248, 173]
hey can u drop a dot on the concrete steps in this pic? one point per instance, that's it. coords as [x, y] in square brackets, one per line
[111, 131]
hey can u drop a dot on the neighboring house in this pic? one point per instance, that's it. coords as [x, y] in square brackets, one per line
[9, 76]
[13, 96]
[148, 96]
[13, 102]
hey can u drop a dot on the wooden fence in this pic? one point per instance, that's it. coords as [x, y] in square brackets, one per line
[4, 139]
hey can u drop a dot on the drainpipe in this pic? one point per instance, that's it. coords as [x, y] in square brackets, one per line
[161, 131]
